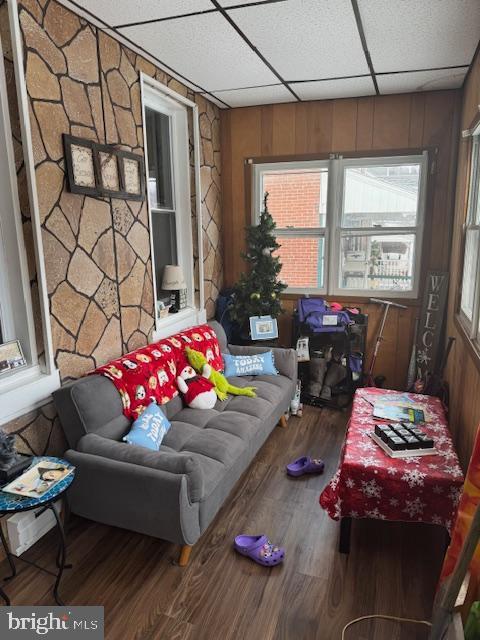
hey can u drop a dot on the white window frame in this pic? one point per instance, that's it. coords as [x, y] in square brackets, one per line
[28, 388]
[160, 98]
[291, 231]
[333, 231]
[471, 224]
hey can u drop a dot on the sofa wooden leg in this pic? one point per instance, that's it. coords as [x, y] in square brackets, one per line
[283, 422]
[185, 552]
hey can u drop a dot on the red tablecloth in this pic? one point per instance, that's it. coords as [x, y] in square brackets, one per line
[371, 484]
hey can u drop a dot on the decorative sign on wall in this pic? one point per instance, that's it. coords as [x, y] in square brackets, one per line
[103, 170]
[431, 321]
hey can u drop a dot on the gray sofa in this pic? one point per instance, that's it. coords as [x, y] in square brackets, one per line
[172, 494]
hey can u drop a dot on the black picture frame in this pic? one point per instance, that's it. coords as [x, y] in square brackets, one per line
[126, 193]
[111, 151]
[73, 184]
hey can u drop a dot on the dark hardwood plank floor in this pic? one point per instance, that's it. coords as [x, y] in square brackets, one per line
[392, 567]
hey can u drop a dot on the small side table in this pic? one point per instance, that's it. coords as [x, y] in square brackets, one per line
[10, 504]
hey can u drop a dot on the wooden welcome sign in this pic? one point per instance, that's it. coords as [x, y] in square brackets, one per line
[431, 321]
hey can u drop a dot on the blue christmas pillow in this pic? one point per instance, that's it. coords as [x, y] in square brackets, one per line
[259, 364]
[149, 428]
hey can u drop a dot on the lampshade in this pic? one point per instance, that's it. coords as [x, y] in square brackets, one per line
[173, 278]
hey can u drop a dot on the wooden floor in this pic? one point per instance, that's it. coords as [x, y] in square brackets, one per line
[392, 568]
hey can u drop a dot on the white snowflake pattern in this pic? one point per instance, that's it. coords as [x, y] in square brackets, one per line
[448, 524]
[367, 446]
[441, 440]
[375, 513]
[335, 480]
[338, 509]
[371, 489]
[448, 454]
[437, 489]
[436, 519]
[368, 461]
[391, 471]
[454, 494]
[394, 502]
[454, 471]
[423, 357]
[412, 460]
[414, 507]
[350, 483]
[353, 514]
[433, 466]
[414, 478]
[436, 427]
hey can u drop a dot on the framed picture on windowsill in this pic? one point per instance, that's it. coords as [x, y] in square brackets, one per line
[11, 357]
[132, 175]
[263, 328]
[80, 165]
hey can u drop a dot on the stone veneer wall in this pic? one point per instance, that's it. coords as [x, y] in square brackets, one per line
[97, 251]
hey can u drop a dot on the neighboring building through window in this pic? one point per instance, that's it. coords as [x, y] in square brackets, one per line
[470, 294]
[347, 226]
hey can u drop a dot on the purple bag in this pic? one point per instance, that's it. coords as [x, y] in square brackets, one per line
[319, 317]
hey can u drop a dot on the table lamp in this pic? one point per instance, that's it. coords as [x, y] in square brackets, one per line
[174, 280]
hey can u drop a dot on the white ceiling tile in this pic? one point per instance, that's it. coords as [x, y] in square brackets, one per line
[328, 89]
[305, 39]
[420, 34]
[232, 3]
[421, 80]
[255, 95]
[115, 12]
[204, 48]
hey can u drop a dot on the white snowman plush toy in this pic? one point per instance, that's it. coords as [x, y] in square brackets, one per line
[198, 391]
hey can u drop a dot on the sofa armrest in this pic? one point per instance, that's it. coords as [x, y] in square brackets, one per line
[169, 462]
[285, 359]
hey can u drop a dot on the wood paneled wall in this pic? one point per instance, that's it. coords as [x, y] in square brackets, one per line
[463, 371]
[370, 125]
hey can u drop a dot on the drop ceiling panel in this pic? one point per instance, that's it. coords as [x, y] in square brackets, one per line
[424, 34]
[233, 3]
[204, 48]
[421, 81]
[115, 12]
[305, 39]
[328, 89]
[255, 95]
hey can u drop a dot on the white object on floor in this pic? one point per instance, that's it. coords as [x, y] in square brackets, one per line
[23, 529]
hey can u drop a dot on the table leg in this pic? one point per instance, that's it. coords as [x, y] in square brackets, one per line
[8, 554]
[61, 555]
[345, 530]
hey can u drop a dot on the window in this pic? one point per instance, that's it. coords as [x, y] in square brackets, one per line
[168, 180]
[347, 226]
[470, 293]
[172, 165]
[25, 388]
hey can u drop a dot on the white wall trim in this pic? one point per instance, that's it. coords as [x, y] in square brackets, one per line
[25, 391]
[23, 107]
[176, 322]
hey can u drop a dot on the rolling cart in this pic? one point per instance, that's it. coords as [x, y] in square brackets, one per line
[336, 347]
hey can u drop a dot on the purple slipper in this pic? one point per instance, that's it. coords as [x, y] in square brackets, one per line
[259, 549]
[305, 464]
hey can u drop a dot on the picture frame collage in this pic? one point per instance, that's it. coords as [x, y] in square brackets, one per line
[103, 170]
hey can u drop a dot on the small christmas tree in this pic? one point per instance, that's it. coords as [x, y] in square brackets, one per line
[257, 293]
